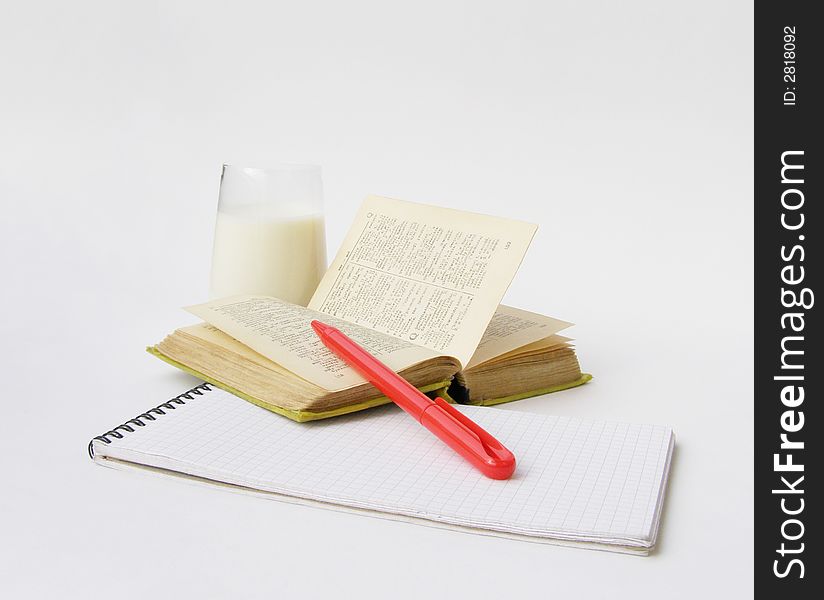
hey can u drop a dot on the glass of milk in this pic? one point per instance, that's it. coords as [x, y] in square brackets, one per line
[269, 237]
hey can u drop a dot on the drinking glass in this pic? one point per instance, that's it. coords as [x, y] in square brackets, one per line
[270, 236]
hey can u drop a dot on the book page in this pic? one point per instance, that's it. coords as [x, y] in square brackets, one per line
[511, 328]
[281, 332]
[430, 275]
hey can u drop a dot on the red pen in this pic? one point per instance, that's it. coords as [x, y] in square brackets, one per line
[457, 431]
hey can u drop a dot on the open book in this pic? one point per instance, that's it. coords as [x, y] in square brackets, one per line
[419, 287]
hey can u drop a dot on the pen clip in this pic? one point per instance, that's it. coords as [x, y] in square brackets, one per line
[475, 444]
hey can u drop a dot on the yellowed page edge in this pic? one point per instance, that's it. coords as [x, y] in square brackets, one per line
[552, 342]
[213, 335]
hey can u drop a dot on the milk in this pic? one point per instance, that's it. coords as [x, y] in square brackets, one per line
[268, 250]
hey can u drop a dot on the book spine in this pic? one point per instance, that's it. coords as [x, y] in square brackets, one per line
[148, 416]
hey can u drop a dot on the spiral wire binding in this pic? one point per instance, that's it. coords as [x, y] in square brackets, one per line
[149, 415]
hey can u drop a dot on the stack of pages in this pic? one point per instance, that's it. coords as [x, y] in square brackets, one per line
[597, 484]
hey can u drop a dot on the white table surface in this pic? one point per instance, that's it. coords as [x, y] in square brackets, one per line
[623, 129]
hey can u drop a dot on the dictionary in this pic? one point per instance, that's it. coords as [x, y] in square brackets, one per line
[420, 288]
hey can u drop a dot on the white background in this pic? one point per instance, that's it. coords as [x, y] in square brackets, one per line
[623, 128]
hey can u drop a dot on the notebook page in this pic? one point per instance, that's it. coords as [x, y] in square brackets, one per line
[576, 479]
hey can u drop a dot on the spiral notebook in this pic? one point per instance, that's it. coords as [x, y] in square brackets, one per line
[598, 484]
